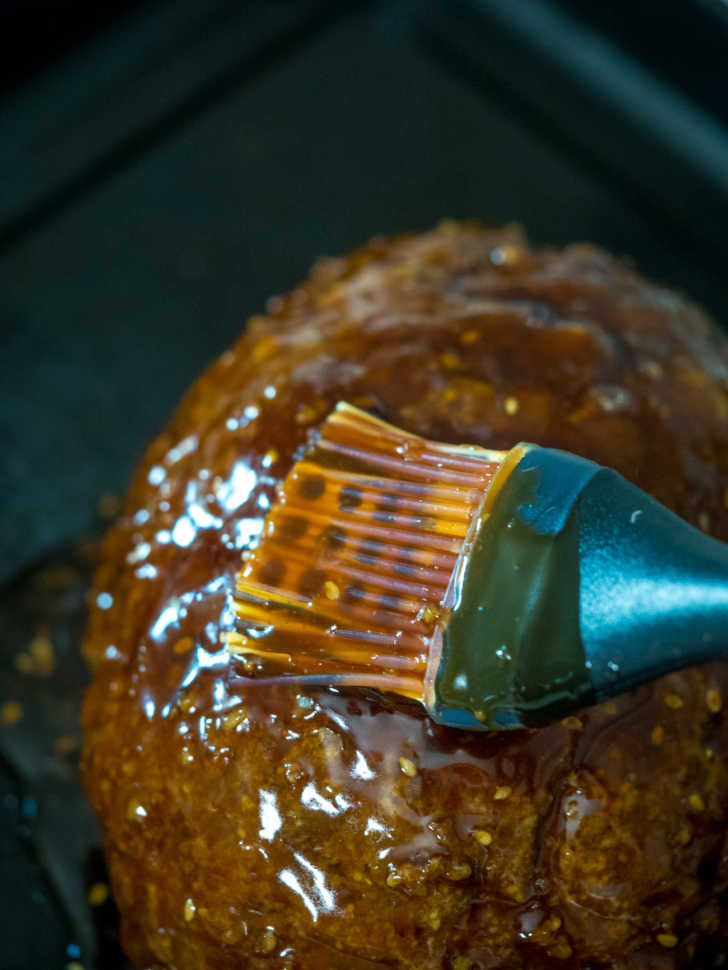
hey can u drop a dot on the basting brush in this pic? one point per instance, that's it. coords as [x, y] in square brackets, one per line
[500, 589]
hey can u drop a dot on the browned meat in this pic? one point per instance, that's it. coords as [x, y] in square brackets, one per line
[278, 827]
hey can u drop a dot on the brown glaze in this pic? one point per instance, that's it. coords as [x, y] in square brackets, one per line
[275, 828]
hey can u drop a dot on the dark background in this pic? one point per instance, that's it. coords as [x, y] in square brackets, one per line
[166, 166]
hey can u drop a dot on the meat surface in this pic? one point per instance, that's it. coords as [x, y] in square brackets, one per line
[277, 827]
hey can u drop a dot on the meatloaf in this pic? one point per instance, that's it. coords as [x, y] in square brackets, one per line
[290, 828]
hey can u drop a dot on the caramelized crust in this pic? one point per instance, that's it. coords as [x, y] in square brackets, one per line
[315, 830]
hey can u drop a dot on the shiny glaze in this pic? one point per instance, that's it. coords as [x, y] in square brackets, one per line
[251, 827]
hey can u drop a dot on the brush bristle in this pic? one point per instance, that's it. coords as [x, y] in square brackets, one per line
[350, 578]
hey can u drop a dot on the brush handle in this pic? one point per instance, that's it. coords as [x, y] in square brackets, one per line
[578, 587]
[653, 590]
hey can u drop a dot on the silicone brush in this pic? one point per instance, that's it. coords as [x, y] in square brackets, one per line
[499, 589]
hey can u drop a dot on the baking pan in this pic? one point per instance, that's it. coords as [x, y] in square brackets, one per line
[233, 161]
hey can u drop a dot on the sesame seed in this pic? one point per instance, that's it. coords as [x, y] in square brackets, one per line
[704, 521]
[652, 369]
[512, 405]
[233, 719]
[135, 810]
[503, 791]
[184, 644]
[725, 498]
[189, 910]
[658, 734]
[572, 723]
[11, 712]
[674, 701]
[268, 943]
[460, 870]
[331, 590]
[429, 614]
[408, 767]
[306, 414]
[668, 940]
[41, 660]
[562, 950]
[98, 894]
[714, 700]
[270, 458]
[264, 347]
[482, 836]
[469, 337]
[449, 360]
[684, 835]
[696, 802]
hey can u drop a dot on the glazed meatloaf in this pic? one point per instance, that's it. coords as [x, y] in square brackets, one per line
[271, 827]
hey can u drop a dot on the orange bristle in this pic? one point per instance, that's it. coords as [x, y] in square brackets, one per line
[350, 579]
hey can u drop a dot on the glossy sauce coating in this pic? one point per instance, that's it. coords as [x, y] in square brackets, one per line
[278, 828]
